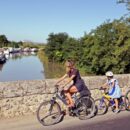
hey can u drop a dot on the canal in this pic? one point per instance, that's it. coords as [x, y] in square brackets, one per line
[29, 66]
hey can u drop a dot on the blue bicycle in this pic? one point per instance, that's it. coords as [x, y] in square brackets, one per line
[50, 112]
[102, 104]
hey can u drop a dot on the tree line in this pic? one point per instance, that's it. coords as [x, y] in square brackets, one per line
[105, 48]
[4, 42]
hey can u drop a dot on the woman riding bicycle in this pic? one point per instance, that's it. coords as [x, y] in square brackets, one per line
[72, 74]
[114, 89]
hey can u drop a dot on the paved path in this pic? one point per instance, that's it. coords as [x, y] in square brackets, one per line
[109, 121]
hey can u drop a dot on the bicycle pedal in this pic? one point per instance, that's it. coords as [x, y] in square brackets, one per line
[53, 117]
[72, 114]
[64, 112]
[42, 120]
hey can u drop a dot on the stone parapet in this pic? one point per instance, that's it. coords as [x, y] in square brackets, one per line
[20, 98]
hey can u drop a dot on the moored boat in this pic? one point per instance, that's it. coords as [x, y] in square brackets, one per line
[2, 58]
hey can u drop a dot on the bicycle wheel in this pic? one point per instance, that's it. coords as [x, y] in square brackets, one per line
[101, 107]
[49, 113]
[127, 100]
[122, 105]
[85, 107]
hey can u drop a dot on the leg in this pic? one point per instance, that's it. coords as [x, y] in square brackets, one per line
[107, 102]
[71, 91]
[70, 101]
[117, 105]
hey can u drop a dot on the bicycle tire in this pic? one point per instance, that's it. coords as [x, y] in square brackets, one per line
[86, 107]
[127, 100]
[121, 104]
[43, 113]
[101, 108]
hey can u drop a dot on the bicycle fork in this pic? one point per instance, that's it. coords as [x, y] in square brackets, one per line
[101, 102]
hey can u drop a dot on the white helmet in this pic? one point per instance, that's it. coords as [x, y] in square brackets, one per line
[109, 73]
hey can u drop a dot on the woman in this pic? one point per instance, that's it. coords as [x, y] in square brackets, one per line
[73, 75]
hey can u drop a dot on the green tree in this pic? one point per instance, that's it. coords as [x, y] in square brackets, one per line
[3, 41]
[54, 46]
[107, 48]
[127, 2]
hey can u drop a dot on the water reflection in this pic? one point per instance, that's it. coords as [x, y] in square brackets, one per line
[1, 66]
[51, 69]
[16, 56]
[29, 66]
[21, 66]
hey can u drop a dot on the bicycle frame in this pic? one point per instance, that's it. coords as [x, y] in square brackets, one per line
[61, 98]
[57, 95]
[108, 98]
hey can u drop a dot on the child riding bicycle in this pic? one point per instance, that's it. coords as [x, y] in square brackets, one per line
[114, 89]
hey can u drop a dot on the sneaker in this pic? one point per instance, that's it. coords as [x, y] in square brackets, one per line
[117, 111]
[70, 112]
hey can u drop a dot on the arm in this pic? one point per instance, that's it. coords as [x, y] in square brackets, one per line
[74, 73]
[105, 85]
[69, 80]
[113, 83]
[61, 79]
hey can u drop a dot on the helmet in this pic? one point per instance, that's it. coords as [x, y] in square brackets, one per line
[109, 73]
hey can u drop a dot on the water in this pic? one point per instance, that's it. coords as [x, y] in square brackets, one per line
[29, 66]
[21, 67]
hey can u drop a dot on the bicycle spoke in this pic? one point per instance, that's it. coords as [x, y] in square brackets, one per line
[48, 114]
[86, 108]
[127, 100]
[100, 106]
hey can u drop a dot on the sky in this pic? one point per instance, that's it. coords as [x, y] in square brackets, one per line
[34, 20]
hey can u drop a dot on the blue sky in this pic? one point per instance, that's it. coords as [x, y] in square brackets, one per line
[35, 19]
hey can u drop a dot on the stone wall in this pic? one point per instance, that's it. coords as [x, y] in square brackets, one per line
[23, 97]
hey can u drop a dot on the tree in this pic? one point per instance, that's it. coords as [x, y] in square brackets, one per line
[105, 48]
[3, 41]
[127, 2]
[54, 46]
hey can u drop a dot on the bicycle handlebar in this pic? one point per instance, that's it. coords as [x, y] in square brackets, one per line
[101, 88]
[56, 88]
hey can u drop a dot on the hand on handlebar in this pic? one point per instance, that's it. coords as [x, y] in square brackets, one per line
[101, 88]
[59, 85]
[56, 85]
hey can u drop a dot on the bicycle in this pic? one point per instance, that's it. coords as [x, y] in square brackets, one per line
[127, 100]
[50, 113]
[102, 106]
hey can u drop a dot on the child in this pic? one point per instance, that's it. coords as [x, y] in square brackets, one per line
[114, 89]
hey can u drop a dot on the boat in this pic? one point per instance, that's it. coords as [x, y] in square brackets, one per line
[26, 49]
[2, 58]
[14, 50]
[11, 49]
[6, 51]
[34, 49]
